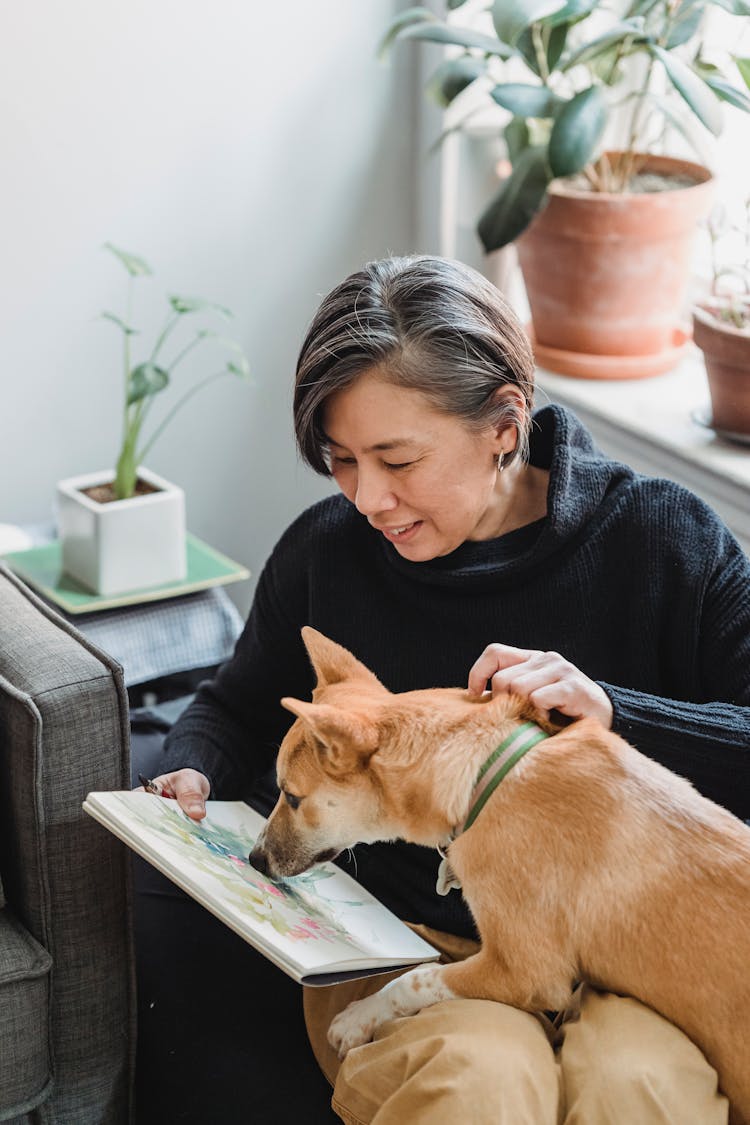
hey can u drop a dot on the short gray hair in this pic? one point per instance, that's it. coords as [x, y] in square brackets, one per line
[426, 323]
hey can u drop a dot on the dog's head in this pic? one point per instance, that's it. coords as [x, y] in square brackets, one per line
[329, 798]
[362, 764]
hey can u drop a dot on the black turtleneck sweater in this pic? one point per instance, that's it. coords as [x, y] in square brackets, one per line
[634, 580]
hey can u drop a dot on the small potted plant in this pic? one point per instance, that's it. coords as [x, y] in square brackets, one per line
[603, 237]
[124, 528]
[721, 328]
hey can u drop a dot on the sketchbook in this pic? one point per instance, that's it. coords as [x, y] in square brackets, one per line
[320, 927]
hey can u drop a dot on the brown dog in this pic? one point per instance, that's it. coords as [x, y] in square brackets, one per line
[588, 861]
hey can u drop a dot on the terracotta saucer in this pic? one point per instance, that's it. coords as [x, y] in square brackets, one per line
[585, 366]
[703, 418]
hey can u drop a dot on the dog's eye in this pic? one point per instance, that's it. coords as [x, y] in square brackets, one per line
[291, 800]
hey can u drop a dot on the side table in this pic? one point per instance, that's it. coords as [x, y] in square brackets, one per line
[164, 647]
[165, 640]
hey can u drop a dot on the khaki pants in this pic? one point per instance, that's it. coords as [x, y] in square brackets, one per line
[612, 1061]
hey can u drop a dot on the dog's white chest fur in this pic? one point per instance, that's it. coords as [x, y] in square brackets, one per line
[447, 880]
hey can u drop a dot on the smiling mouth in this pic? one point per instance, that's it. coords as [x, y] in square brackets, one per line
[396, 532]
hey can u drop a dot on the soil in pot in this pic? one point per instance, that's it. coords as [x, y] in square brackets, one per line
[105, 493]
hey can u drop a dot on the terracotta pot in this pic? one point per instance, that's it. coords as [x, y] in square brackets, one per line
[606, 274]
[726, 351]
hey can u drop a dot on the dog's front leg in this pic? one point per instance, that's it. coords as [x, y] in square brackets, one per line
[401, 997]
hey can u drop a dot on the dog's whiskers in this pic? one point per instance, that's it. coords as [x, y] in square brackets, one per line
[351, 856]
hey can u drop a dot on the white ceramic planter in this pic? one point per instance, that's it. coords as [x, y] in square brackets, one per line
[125, 544]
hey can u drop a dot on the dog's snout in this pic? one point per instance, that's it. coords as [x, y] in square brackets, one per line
[257, 859]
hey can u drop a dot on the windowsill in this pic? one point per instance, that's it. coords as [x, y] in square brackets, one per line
[650, 424]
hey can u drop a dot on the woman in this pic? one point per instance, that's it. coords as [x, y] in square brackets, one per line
[472, 540]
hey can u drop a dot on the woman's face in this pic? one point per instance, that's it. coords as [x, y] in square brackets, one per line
[420, 477]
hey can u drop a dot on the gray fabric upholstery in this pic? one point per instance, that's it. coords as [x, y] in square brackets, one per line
[25, 1070]
[63, 733]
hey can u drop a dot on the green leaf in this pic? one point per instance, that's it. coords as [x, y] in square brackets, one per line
[686, 24]
[512, 17]
[660, 106]
[403, 20]
[517, 201]
[641, 8]
[146, 380]
[572, 12]
[135, 266]
[120, 323]
[727, 92]
[631, 29]
[457, 37]
[185, 305]
[701, 100]
[452, 77]
[734, 7]
[577, 131]
[241, 370]
[524, 100]
[527, 49]
[453, 4]
[517, 138]
[556, 44]
[240, 366]
[556, 38]
[743, 65]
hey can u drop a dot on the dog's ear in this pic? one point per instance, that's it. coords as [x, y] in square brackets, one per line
[333, 663]
[347, 740]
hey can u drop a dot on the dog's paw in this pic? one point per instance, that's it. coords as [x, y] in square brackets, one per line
[355, 1025]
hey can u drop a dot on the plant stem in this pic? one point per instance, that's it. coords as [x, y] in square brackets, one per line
[616, 61]
[627, 160]
[181, 355]
[180, 403]
[126, 358]
[671, 10]
[169, 327]
[125, 473]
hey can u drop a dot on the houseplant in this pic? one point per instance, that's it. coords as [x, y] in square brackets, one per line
[604, 278]
[124, 528]
[721, 328]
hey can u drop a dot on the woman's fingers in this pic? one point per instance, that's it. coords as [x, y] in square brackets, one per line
[547, 679]
[494, 658]
[188, 787]
[191, 790]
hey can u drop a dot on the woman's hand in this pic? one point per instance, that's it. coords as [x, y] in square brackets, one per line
[546, 679]
[188, 787]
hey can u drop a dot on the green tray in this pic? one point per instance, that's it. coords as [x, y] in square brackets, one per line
[41, 567]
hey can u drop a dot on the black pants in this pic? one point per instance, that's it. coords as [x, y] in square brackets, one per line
[221, 1035]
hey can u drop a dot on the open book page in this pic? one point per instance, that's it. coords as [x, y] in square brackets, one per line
[319, 922]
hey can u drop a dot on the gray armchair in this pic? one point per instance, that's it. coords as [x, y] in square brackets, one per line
[67, 993]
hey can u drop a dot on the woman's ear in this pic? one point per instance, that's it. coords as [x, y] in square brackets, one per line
[510, 416]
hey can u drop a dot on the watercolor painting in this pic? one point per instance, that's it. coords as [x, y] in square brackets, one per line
[298, 909]
[322, 921]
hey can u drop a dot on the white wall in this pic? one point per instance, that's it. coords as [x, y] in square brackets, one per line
[254, 153]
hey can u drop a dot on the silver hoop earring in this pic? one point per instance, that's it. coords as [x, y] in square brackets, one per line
[500, 460]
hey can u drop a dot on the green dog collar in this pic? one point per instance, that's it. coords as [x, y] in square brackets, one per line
[500, 762]
[495, 768]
